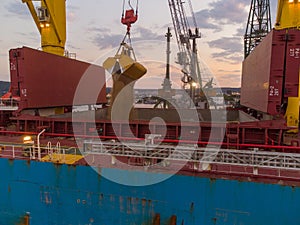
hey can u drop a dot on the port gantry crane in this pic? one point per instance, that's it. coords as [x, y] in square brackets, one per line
[50, 19]
[186, 41]
[258, 25]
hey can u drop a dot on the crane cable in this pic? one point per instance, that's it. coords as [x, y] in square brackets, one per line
[127, 35]
[123, 43]
[193, 14]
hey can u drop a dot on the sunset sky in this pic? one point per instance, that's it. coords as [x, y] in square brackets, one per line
[94, 33]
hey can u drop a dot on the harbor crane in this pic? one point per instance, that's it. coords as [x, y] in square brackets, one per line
[258, 25]
[288, 14]
[50, 19]
[259, 21]
[187, 43]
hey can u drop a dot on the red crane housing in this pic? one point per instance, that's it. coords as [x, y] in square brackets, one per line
[129, 18]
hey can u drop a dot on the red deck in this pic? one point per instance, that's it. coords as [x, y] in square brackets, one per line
[245, 134]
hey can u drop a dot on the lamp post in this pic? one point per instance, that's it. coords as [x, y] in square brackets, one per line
[38, 144]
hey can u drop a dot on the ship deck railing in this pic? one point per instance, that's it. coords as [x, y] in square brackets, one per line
[9, 104]
[191, 153]
[48, 153]
[210, 159]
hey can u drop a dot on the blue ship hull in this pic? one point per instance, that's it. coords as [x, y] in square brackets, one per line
[77, 195]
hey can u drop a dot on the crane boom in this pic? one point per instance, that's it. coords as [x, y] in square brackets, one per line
[288, 12]
[186, 40]
[258, 25]
[50, 19]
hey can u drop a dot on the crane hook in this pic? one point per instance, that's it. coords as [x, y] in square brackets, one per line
[130, 16]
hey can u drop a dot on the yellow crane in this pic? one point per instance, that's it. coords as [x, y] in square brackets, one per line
[50, 19]
[288, 17]
[288, 14]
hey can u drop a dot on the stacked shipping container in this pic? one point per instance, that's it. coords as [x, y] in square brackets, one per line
[271, 72]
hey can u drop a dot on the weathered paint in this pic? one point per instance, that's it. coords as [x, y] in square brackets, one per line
[62, 194]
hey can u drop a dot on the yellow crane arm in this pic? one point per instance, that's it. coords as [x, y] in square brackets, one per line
[57, 21]
[50, 19]
[288, 14]
[33, 13]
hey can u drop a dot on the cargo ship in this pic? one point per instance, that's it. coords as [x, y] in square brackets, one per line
[122, 165]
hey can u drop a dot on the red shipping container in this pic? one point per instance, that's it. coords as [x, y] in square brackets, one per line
[44, 80]
[262, 74]
[292, 64]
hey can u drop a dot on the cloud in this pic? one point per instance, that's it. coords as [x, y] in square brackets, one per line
[142, 33]
[231, 49]
[222, 12]
[72, 13]
[230, 44]
[228, 58]
[72, 7]
[98, 30]
[20, 10]
[33, 37]
[233, 80]
[229, 11]
[71, 17]
[204, 20]
[72, 46]
[103, 38]
[229, 71]
[104, 41]
[241, 31]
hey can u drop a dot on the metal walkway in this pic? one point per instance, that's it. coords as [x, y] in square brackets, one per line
[209, 155]
[183, 153]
